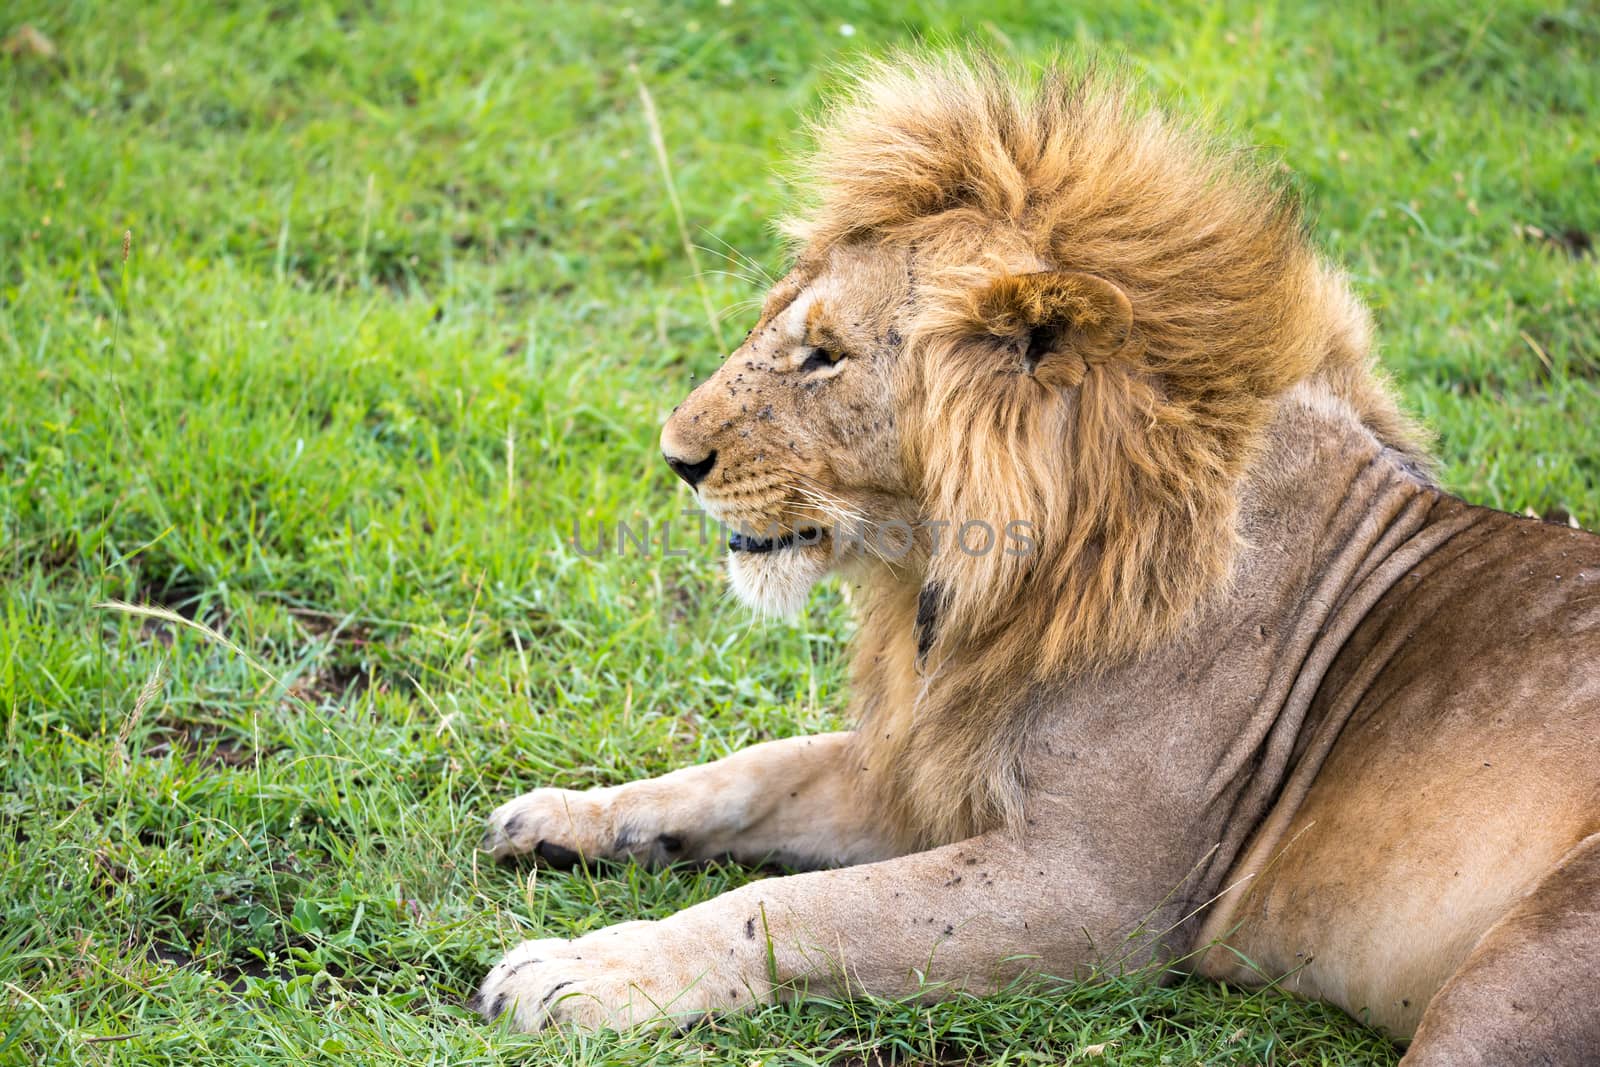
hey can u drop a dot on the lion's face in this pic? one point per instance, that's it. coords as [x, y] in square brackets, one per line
[793, 443]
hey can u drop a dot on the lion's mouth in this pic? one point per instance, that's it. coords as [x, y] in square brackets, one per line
[773, 573]
[756, 546]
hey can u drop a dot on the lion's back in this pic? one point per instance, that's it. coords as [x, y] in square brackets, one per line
[1493, 639]
[1469, 764]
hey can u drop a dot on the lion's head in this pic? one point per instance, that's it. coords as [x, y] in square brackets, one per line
[795, 442]
[1034, 312]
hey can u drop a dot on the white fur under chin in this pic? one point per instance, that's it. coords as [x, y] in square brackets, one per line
[776, 583]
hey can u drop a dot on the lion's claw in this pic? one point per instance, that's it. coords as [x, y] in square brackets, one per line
[625, 975]
[562, 827]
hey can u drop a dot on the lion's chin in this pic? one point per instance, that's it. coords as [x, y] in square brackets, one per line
[777, 582]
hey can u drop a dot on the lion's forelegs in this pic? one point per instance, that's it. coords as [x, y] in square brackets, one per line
[1529, 993]
[793, 801]
[968, 916]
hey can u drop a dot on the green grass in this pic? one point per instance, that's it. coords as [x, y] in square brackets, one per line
[405, 301]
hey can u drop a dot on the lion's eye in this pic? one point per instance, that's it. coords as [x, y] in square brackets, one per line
[820, 358]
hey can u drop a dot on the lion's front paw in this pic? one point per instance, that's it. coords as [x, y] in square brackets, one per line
[560, 826]
[623, 976]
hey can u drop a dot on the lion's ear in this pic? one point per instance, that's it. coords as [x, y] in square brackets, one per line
[1059, 321]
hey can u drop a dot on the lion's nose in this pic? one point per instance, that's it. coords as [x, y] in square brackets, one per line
[692, 473]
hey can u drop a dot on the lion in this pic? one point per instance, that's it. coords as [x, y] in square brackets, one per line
[1247, 695]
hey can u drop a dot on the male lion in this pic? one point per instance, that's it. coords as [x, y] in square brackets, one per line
[1260, 700]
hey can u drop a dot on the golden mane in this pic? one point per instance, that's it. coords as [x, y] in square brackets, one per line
[1128, 475]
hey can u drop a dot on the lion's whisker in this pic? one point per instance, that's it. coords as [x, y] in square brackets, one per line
[747, 279]
[733, 255]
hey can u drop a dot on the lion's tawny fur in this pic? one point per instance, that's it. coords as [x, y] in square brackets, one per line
[1261, 701]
